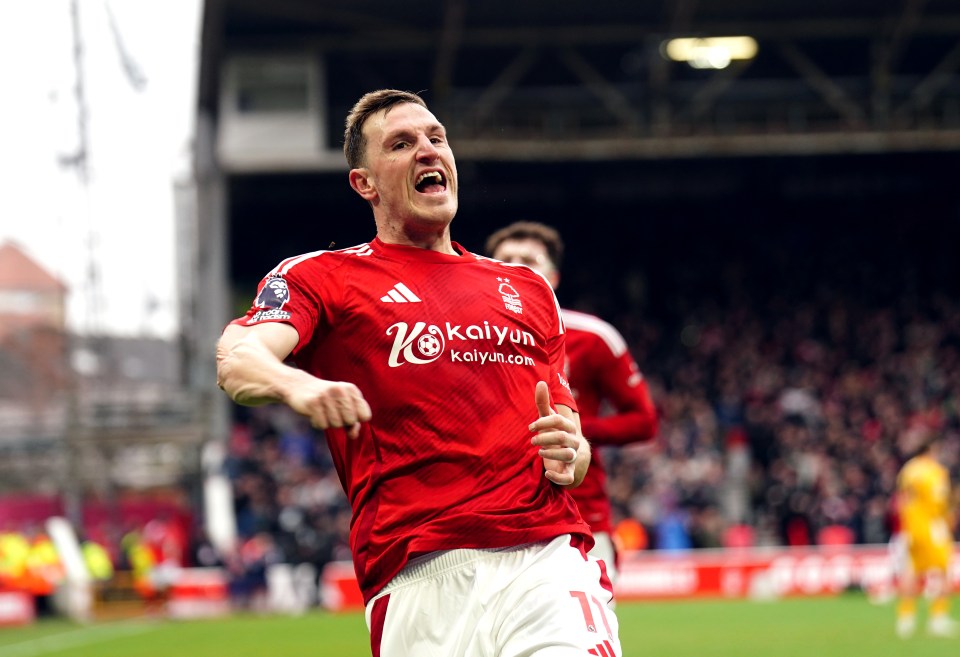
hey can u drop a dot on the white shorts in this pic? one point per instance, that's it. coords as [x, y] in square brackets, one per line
[604, 550]
[541, 599]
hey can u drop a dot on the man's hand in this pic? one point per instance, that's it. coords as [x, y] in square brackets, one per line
[564, 451]
[251, 370]
[330, 404]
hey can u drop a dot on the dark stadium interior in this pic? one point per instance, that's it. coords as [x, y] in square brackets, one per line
[836, 146]
[874, 224]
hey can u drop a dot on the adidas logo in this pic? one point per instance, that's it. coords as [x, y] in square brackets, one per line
[400, 293]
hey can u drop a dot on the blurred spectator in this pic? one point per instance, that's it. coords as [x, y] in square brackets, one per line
[97, 560]
[44, 571]
[141, 559]
[203, 554]
[296, 442]
[14, 550]
[248, 570]
[630, 535]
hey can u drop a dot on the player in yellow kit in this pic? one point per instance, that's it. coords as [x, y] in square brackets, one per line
[923, 487]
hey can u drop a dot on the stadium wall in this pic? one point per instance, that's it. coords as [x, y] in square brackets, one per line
[756, 573]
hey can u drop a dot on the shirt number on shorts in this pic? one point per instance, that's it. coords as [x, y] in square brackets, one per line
[603, 649]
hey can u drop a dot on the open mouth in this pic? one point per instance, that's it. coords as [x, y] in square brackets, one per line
[431, 182]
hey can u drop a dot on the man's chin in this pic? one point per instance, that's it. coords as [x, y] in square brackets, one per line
[438, 214]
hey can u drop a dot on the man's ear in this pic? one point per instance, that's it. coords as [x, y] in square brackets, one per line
[362, 185]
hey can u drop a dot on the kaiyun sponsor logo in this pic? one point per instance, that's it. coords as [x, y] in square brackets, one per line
[424, 343]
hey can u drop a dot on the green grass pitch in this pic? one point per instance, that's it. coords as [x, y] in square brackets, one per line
[845, 626]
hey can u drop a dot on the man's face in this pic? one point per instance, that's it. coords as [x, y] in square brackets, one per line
[530, 252]
[410, 168]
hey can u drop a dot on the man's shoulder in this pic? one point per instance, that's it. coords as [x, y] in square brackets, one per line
[512, 269]
[579, 318]
[322, 260]
[598, 329]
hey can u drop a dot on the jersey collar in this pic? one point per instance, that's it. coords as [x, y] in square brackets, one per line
[406, 253]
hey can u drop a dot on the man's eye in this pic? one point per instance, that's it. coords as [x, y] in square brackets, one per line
[399, 145]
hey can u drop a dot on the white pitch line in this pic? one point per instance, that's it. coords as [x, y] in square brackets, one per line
[71, 639]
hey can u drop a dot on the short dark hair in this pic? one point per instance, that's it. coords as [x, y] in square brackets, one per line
[522, 230]
[354, 141]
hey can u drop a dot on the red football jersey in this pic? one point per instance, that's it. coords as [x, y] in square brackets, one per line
[447, 350]
[603, 374]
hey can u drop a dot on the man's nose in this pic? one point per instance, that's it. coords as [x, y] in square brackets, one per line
[426, 150]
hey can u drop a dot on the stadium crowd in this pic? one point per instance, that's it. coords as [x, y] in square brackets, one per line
[784, 420]
[288, 501]
[793, 423]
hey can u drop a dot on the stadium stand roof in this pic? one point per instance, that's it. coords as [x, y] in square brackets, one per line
[542, 80]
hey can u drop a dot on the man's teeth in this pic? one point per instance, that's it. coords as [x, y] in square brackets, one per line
[432, 174]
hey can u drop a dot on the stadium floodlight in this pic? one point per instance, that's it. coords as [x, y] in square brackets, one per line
[709, 52]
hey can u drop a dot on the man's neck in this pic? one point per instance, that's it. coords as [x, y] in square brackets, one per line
[431, 240]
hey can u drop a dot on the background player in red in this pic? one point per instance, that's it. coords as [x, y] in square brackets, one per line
[602, 373]
[438, 376]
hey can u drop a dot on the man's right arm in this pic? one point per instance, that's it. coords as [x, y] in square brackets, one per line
[251, 370]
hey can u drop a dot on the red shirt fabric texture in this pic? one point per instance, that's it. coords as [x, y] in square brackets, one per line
[447, 350]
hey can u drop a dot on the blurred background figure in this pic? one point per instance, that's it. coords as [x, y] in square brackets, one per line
[612, 396]
[97, 559]
[43, 570]
[14, 550]
[248, 571]
[923, 487]
[141, 559]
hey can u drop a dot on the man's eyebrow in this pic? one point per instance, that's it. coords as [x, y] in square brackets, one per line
[433, 128]
[397, 133]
